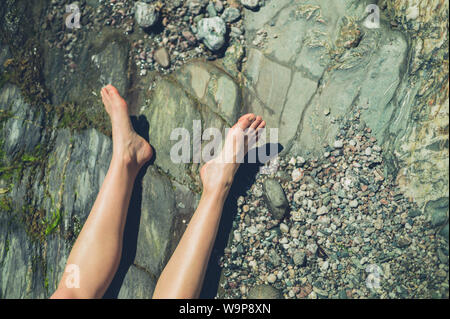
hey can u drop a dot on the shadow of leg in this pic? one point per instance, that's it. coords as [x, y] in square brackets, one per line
[131, 230]
[243, 180]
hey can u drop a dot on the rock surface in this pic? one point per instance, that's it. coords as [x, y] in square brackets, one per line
[55, 143]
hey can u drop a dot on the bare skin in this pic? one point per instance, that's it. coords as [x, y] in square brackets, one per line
[97, 250]
[184, 273]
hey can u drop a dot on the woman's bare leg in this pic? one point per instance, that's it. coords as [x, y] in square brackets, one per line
[97, 250]
[184, 273]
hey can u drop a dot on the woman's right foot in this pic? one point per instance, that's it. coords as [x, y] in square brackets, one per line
[219, 172]
[128, 146]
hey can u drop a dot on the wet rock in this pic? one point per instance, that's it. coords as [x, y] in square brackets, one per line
[275, 197]
[212, 32]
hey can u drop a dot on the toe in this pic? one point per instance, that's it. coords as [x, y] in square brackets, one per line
[245, 121]
[111, 90]
[262, 125]
[104, 94]
[256, 123]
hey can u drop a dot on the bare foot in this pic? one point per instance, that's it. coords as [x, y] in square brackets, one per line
[128, 146]
[218, 174]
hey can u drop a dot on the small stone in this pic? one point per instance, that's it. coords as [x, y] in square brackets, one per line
[376, 148]
[275, 197]
[195, 6]
[251, 4]
[292, 161]
[338, 144]
[368, 151]
[218, 5]
[264, 292]
[284, 228]
[231, 15]
[237, 236]
[403, 241]
[212, 32]
[162, 57]
[296, 216]
[322, 210]
[271, 278]
[210, 8]
[324, 266]
[245, 208]
[299, 258]
[300, 160]
[353, 204]
[145, 14]
[189, 36]
[297, 175]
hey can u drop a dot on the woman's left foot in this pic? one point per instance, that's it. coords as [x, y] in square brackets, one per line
[128, 146]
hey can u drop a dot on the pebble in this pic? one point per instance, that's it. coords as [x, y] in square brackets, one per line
[212, 32]
[345, 220]
[275, 198]
[297, 175]
[251, 4]
[284, 228]
[271, 278]
[300, 160]
[218, 5]
[195, 6]
[322, 210]
[145, 14]
[299, 258]
[338, 144]
[353, 204]
[162, 57]
[210, 8]
[231, 15]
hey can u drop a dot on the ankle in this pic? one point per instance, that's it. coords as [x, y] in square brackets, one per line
[218, 194]
[125, 161]
[216, 178]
